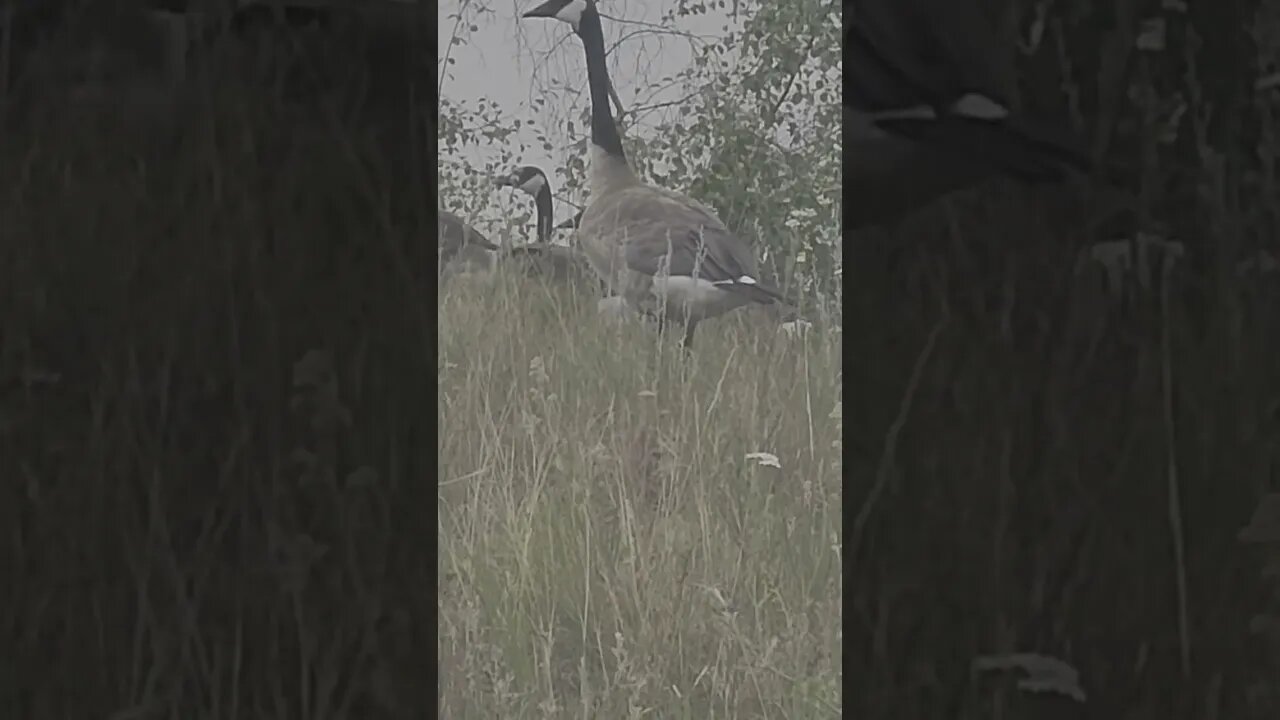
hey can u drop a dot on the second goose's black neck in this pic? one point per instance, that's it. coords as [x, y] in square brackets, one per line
[543, 201]
[604, 133]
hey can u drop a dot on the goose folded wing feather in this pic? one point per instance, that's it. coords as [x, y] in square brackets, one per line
[688, 241]
[454, 233]
[704, 212]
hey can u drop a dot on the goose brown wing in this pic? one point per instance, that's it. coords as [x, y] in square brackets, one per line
[664, 233]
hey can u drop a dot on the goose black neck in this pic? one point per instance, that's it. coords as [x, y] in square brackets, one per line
[543, 201]
[604, 133]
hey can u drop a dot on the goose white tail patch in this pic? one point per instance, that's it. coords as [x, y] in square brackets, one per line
[685, 290]
[613, 306]
[979, 106]
[572, 12]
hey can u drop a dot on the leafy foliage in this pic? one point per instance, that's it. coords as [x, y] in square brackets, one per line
[759, 138]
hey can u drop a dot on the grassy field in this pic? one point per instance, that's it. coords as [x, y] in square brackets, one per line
[614, 540]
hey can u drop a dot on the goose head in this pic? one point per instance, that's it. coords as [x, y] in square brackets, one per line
[568, 11]
[527, 179]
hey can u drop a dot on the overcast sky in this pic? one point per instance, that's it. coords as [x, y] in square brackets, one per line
[511, 60]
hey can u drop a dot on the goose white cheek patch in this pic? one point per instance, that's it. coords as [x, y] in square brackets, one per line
[534, 185]
[572, 13]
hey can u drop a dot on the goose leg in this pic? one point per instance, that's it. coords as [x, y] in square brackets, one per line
[661, 321]
[687, 342]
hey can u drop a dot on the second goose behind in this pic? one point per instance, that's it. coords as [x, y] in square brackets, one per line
[542, 256]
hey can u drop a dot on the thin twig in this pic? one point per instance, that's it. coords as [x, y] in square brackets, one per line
[791, 81]
[453, 34]
[617, 104]
[665, 104]
[656, 29]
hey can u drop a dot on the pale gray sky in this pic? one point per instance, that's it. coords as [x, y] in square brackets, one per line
[511, 60]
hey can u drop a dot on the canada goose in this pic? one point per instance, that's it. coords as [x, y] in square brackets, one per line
[461, 247]
[668, 256]
[541, 256]
[926, 110]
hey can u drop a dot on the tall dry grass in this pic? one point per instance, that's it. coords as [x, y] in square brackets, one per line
[1038, 468]
[214, 417]
[616, 539]
[1041, 469]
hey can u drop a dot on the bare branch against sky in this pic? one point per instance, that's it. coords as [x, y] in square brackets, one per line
[512, 62]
